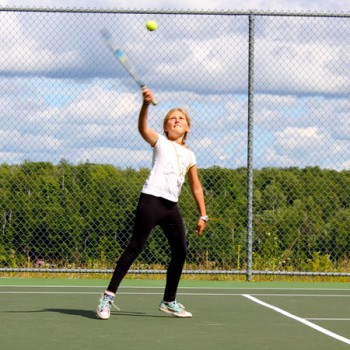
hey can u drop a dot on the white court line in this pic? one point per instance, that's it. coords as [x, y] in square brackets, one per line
[181, 287]
[302, 295]
[299, 319]
[326, 319]
[121, 292]
[84, 293]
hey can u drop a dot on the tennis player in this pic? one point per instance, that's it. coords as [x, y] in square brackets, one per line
[158, 205]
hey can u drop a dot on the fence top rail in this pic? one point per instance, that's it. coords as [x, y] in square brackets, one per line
[178, 12]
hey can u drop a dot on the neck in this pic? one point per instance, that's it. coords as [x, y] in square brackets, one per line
[179, 141]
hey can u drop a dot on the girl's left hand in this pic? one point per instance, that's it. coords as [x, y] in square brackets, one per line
[200, 227]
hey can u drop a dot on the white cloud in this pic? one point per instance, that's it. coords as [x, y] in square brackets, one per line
[300, 139]
[21, 52]
[307, 147]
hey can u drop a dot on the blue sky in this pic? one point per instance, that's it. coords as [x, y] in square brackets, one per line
[61, 97]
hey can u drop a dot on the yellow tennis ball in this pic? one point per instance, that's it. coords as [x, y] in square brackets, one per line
[151, 25]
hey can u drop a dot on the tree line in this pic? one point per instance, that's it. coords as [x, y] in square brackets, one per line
[82, 215]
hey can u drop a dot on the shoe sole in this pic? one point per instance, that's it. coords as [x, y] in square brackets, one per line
[176, 314]
[101, 317]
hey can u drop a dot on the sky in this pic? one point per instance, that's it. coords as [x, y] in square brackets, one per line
[266, 5]
[62, 95]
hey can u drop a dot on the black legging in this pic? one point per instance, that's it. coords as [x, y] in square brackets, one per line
[153, 211]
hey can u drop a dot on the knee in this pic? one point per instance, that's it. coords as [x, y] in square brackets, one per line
[133, 250]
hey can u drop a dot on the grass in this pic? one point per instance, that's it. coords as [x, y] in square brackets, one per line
[185, 277]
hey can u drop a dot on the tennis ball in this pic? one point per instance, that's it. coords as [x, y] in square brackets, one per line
[151, 25]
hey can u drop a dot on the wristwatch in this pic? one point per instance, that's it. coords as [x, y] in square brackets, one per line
[204, 217]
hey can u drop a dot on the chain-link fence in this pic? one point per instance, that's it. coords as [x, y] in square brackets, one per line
[268, 95]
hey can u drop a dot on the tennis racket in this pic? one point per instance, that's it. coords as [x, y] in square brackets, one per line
[122, 58]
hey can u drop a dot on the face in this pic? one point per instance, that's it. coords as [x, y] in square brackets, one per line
[176, 125]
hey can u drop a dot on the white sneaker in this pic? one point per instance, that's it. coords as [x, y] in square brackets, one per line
[174, 308]
[105, 303]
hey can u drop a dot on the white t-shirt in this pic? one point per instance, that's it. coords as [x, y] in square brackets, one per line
[170, 164]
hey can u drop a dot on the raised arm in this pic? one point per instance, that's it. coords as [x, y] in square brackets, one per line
[147, 133]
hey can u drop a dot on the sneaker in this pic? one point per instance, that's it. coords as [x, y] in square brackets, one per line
[104, 306]
[174, 308]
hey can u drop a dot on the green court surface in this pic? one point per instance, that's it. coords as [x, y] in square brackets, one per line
[55, 314]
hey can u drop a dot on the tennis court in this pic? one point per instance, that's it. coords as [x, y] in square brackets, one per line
[60, 314]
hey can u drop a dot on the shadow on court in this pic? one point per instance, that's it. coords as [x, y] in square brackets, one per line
[91, 314]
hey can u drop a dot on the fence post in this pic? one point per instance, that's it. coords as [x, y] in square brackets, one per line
[250, 149]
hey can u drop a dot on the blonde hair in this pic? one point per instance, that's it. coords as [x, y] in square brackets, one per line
[184, 112]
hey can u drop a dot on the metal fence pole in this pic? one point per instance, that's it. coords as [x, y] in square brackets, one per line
[250, 149]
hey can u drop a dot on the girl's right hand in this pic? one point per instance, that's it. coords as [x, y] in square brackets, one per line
[147, 95]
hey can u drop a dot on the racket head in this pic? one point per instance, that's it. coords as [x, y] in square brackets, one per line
[123, 59]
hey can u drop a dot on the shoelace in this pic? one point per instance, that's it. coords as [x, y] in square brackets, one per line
[181, 306]
[109, 301]
[176, 306]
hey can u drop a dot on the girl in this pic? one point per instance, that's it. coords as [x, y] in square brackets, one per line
[157, 205]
